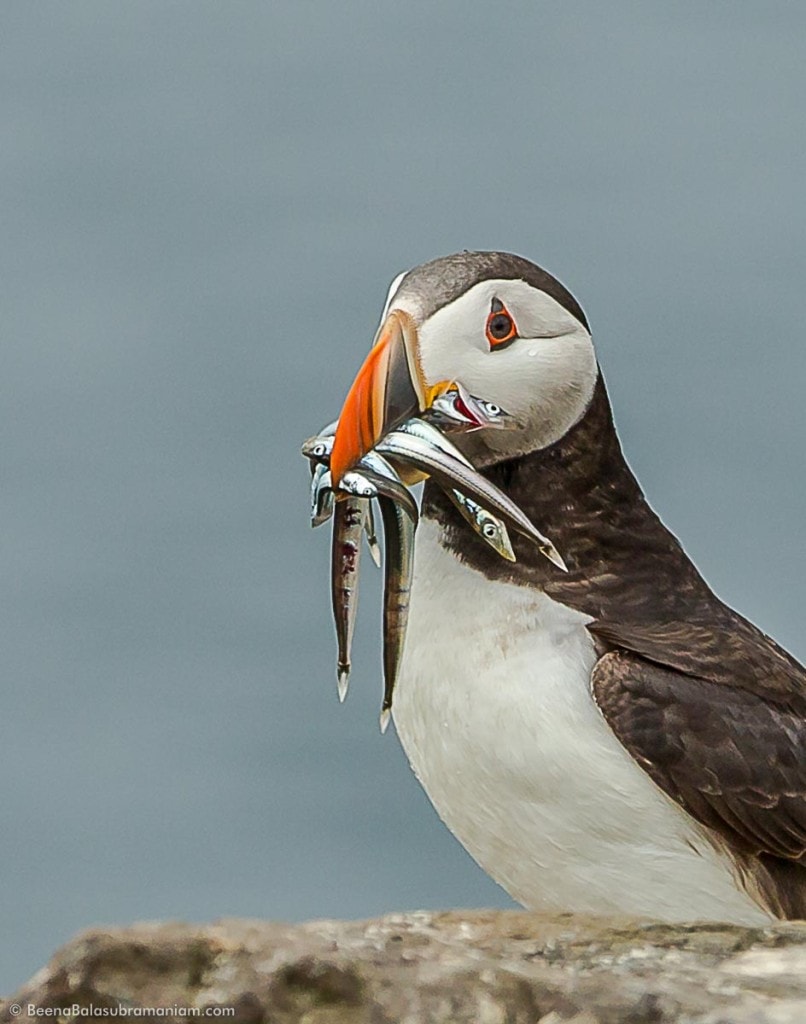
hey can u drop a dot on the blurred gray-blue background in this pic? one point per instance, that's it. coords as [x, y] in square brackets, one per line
[203, 204]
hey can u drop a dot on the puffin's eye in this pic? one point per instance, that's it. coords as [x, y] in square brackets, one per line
[501, 329]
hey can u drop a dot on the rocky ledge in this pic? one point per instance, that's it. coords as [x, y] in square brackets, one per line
[489, 967]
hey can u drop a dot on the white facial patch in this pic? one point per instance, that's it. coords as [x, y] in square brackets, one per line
[545, 378]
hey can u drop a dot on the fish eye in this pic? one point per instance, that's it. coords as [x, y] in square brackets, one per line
[501, 329]
[488, 529]
[319, 449]
[492, 408]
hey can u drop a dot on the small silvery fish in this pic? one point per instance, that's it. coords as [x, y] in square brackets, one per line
[349, 516]
[496, 417]
[321, 494]
[372, 537]
[357, 485]
[456, 409]
[398, 531]
[431, 436]
[393, 489]
[318, 448]
[487, 526]
[487, 414]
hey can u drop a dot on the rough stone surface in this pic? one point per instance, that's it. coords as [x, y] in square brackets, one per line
[489, 967]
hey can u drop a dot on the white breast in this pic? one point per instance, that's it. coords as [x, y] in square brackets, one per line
[494, 710]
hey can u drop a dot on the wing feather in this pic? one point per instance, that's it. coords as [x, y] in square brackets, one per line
[734, 759]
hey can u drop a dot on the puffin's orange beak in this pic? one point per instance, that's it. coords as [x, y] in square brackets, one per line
[389, 389]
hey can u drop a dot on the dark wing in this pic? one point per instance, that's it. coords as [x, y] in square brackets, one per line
[733, 759]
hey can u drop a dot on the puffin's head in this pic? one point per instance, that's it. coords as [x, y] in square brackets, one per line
[504, 328]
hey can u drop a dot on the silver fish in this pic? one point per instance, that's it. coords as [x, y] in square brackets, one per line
[318, 448]
[446, 412]
[398, 532]
[456, 409]
[360, 486]
[378, 464]
[372, 537]
[321, 494]
[487, 526]
[349, 517]
[431, 436]
[451, 472]
[357, 485]
[490, 414]
[496, 416]
[378, 471]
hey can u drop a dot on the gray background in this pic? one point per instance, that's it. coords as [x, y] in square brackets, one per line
[203, 204]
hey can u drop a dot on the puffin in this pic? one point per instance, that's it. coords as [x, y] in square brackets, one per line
[609, 740]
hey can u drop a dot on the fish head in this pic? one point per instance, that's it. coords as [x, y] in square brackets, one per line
[318, 449]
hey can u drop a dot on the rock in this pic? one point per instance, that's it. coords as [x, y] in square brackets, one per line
[488, 967]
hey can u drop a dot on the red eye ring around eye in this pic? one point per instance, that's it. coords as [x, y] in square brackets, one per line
[500, 329]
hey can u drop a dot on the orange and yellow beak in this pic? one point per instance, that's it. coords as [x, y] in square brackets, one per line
[388, 389]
